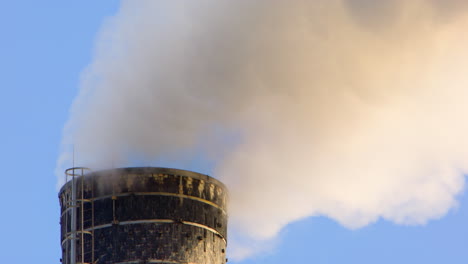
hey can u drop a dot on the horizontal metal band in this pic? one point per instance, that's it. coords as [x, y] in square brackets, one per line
[156, 261]
[161, 221]
[71, 206]
[162, 194]
[152, 194]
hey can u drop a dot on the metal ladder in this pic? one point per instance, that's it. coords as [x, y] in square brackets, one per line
[74, 234]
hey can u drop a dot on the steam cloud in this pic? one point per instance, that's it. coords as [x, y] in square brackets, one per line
[354, 110]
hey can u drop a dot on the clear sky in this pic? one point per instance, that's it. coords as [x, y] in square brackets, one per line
[45, 45]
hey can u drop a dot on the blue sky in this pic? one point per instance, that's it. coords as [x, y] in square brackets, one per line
[45, 45]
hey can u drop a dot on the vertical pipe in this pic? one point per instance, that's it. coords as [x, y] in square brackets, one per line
[82, 217]
[92, 220]
[65, 230]
[73, 222]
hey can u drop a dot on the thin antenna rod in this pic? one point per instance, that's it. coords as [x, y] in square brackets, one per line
[73, 159]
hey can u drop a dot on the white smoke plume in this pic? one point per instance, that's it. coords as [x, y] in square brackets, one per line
[354, 110]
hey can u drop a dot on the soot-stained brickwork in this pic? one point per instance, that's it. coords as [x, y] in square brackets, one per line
[145, 215]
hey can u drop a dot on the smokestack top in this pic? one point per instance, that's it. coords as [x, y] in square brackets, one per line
[135, 180]
[143, 214]
[150, 170]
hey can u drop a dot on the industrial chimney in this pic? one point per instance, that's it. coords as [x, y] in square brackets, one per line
[142, 215]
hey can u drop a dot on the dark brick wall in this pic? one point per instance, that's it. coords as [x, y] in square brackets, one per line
[149, 214]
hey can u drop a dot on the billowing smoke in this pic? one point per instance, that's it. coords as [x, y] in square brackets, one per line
[354, 110]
